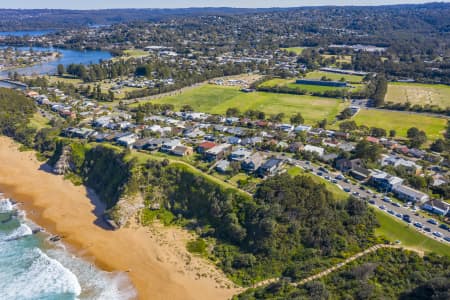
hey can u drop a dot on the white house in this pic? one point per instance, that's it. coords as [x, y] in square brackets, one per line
[310, 148]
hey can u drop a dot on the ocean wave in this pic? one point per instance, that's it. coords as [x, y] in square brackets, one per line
[96, 284]
[21, 231]
[45, 278]
[6, 205]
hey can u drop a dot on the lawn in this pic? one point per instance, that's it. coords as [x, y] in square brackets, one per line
[394, 229]
[39, 122]
[334, 76]
[296, 50]
[418, 93]
[290, 83]
[217, 99]
[135, 53]
[339, 58]
[337, 192]
[64, 79]
[401, 122]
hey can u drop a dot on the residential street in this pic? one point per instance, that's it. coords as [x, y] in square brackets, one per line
[375, 199]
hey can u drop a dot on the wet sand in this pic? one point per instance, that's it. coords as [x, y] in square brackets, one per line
[154, 258]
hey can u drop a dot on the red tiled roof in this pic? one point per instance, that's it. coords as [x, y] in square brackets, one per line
[207, 145]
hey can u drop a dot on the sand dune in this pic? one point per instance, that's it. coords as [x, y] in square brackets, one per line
[155, 258]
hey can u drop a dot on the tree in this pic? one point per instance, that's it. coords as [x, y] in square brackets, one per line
[348, 126]
[187, 108]
[60, 69]
[392, 133]
[438, 145]
[297, 119]
[233, 112]
[367, 151]
[322, 124]
[377, 132]
[416, 137]
[346, 114]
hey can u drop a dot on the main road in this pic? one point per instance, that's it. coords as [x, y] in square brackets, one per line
[379, 201]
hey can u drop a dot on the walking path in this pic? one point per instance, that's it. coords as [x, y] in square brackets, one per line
[332, 269]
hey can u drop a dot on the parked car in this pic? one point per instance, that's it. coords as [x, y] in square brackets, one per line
[437, 233]
[444, 226]
[395, 204]
[432, 221]
[427, 229]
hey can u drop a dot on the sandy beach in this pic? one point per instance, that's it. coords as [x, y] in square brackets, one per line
[155, 258]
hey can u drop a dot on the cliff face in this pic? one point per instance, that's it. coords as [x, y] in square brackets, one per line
[105, 171]
[63, 165]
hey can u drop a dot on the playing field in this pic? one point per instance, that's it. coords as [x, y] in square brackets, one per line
[217, 99]
[296, 50]
[290, 83]
[334, 76]
[418, 93]
[401, 122]
[339, 58]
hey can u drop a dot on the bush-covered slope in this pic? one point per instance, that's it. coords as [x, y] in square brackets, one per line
[385, 274]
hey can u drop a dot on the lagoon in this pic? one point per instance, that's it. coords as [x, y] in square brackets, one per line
[67, 57]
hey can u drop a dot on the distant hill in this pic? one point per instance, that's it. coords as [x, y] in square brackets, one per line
[36, 19]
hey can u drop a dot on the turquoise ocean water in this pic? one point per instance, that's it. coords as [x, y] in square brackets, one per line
[32, 267]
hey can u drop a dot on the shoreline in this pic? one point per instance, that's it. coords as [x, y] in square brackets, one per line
[154, 258]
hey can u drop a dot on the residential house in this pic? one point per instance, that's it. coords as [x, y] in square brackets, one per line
[142, 143]
[301, 128]
[396, 161]
[270, 167]
[168, 146]
[233, 140]
[240, 154]
[203, 147]
[127, 140]
[218, 152]
[314, 149]
[295, 147]
[223, 166]
[253, 162]
[156, 144]
[372, 139]
[285, 127]
[437, 207]
[384, 181]
[409, 194]
[181, 150]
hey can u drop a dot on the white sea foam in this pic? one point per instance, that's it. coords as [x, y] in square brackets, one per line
[21, 231]
[96, 284]
[29, 273]
[6, 205]
[44, 278]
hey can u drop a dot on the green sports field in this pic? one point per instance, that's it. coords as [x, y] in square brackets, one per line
[290, 83]
[334, 76]
[401, 122]
[217, 99]
[418, 93]
[296, 50]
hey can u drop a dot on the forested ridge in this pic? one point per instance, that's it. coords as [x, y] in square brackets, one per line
[15, 113]
[386, 274]
[292, 226]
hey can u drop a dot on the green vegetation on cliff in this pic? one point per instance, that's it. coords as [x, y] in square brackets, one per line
[386, 274]
[293, 226]
[16, 110]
